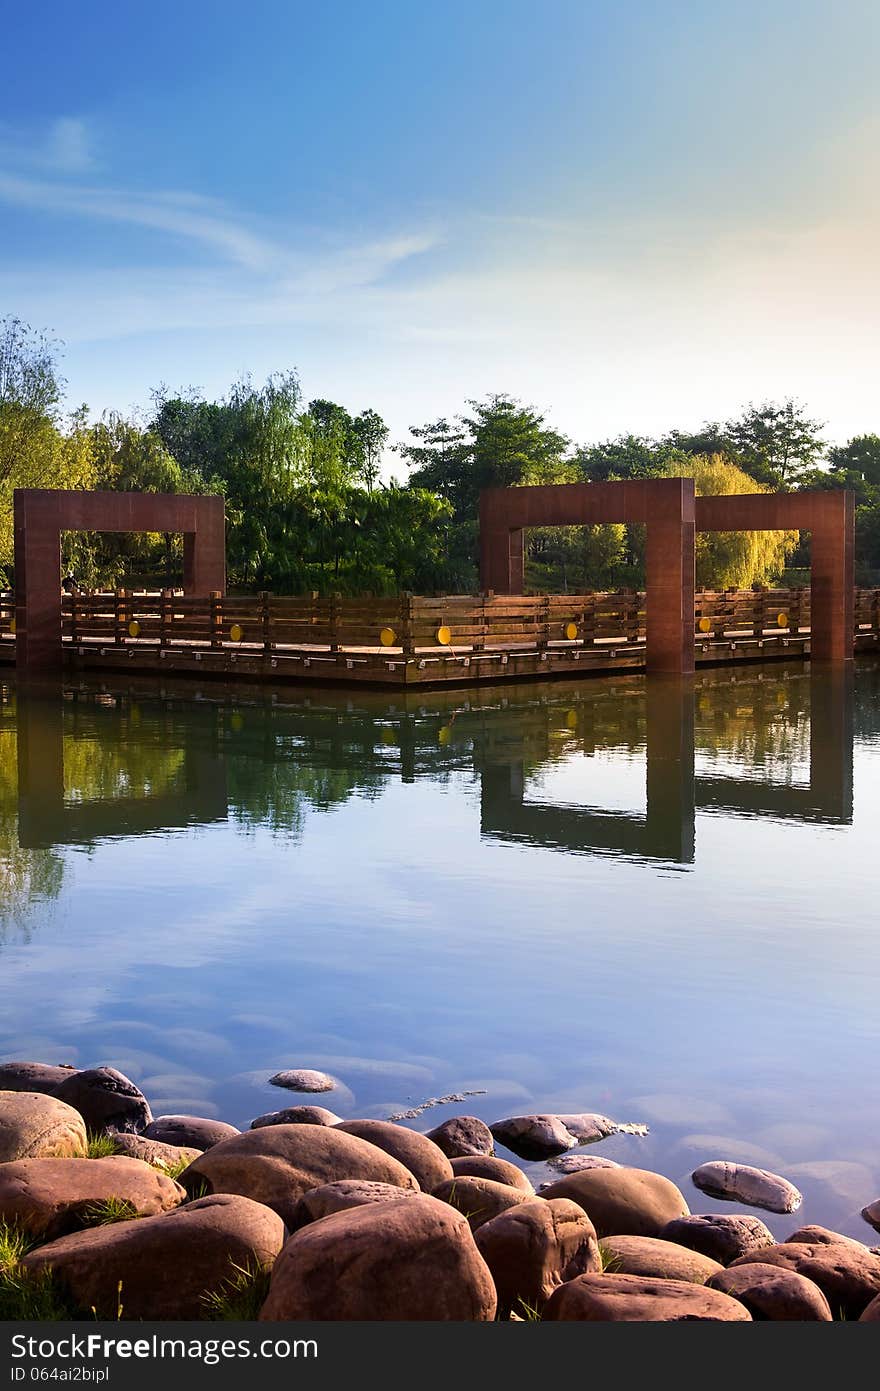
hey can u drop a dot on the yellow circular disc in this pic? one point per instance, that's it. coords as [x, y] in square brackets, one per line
[387, 637]
[705, 625]
[134, 628]
[782, 620]
[236, 632]
[571, 631]
[444, 735]
[12, 625]
[443, 635]
[236, 722]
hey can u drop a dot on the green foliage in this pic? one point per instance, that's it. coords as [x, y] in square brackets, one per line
[241, 1296]
[775, 443]
[104, 1212]
[99, 1146]
[25, 1296]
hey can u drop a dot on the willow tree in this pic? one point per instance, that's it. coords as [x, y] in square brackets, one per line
[733, 559]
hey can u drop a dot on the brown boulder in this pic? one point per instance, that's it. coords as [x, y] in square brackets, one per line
[47, 1197]
[479, 1199]
[154, 1153]
[277, 1164]
[718, 1236]
[461, 1136]
[415, 1151]
[342, 1195]
[743, 1183]
[641, 1299]
[872, 1313]
[822, 1236]
[488, 1166]
[622, 1202]
[36, 1126]
[848, 1277]
[771, 1293]
[32, 1077]
[106, 1099]
[649, 1255]
[195, 1132]
[165, 1265]
[534, 1137]
[297, 1115]
[413, 1259]
[536, 1246]
[871, 1214]
[304, 1079]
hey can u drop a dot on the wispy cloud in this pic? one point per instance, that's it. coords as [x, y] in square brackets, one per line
[68, 147]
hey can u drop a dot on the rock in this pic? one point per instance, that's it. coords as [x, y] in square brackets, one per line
[848, 1277]
[641, 1299]
[742, 1183]
[106, 1100]
[461, 1136]
[489, 1166]
[413, 1259]
[871, 1214]
[196, 1132]
[534, 1137]
[534, 1247]
[836, 1184]
[304, 1079]
[165, 1265]
[340, 1196]
[32, 1077]
[154, 1152]
[480, 1199]
[277, 1164]
[48, 1197]
[872, 1313]
[297, 1115]
[36, 1126]
[718, 1236]
[410, 1148]
[821, 1236]
[740, 1151]
[770, 1293]
[624, 1201]
[587, 1127]
[651, 1255]
[574, 1163]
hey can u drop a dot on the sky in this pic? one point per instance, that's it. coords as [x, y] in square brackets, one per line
[633, 216]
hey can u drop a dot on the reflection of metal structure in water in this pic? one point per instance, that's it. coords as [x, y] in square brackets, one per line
[667, 829]
[46, 819]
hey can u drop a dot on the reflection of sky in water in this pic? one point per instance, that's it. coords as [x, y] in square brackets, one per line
[730, 1002]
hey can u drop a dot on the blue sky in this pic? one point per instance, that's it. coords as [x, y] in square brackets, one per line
[633, 215]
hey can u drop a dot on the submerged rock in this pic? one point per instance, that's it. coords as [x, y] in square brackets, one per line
[743, 1184]
[303, 1079]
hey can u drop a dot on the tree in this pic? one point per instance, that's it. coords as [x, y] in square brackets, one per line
[370, 435]
[29, 375]
[776, 443]
[858, 459]
[733, 559]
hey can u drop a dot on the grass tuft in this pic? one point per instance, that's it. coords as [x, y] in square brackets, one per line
[241, 1297]
[99, 1146]
[26, 1296]
[609, 1260]
[104, 1211]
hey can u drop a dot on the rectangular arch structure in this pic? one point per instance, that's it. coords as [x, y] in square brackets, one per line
[672, 515]
[42, 514]
[664, 505]
[829, 516]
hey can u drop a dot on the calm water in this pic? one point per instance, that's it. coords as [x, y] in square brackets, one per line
[653, 901]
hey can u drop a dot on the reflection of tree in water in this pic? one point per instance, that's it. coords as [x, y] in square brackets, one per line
[279, 794]
[116, 763]
[27, 876]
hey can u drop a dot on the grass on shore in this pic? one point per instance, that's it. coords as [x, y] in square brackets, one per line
[25, 1295]
[241, 1297]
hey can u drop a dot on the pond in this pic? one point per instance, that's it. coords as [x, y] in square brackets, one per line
[653, 899]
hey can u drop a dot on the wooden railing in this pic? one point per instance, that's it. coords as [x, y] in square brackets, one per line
[406, 623]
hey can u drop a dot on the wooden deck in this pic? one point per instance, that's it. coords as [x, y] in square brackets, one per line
[414, 641]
